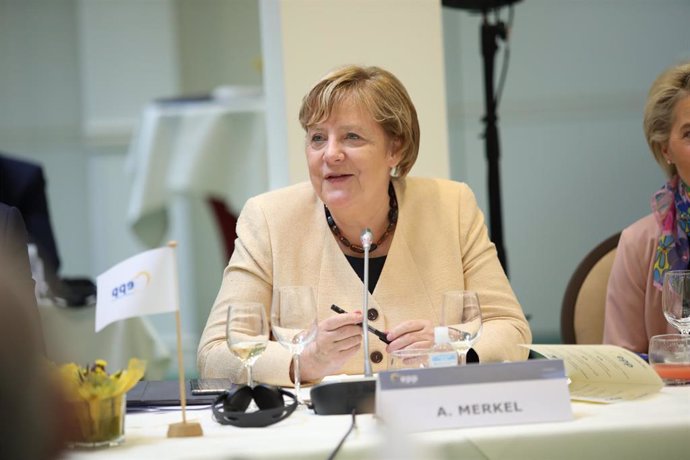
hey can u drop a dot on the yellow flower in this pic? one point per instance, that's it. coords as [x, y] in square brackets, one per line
[94, 383]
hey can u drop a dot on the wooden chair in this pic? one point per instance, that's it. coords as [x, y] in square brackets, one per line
[582, 312]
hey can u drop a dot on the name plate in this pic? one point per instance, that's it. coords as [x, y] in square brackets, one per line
[474, 395]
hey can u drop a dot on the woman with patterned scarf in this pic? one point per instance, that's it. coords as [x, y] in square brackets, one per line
[658, 242]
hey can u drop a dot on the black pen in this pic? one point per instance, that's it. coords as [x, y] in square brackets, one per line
[373, 330]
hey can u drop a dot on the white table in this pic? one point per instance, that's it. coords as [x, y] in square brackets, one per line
[70, 337]
[657, 427]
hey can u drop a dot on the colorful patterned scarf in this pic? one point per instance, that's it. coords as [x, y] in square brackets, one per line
[671, 207]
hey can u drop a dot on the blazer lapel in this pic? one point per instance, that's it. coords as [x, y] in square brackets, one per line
[401, 289]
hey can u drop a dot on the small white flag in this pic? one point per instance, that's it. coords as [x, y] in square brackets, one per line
[141, 285]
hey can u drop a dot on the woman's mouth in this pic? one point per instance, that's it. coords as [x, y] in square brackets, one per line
[335, 178]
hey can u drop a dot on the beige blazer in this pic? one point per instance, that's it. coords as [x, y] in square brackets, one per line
[633, 305]
[440, 244]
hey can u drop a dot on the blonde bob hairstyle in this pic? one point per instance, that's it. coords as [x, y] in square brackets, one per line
[669, 88]
[375, 89]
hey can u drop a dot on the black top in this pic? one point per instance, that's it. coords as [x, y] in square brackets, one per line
[375, 269]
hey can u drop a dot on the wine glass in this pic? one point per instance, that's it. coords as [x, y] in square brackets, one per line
[247, 328]
[461, 313]
[675, 299]
[293, 321]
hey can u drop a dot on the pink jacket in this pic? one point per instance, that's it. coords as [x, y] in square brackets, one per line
[633, 304]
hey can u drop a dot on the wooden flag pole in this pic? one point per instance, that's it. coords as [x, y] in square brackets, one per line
[182, 429]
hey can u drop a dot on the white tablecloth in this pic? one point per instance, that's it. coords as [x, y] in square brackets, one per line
[657, 427]
[70, 337]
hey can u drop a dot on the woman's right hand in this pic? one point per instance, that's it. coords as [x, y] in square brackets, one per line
[337, 340]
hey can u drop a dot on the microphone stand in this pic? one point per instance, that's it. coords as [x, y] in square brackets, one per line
[332, 398]
[490, 35]
[366, 239]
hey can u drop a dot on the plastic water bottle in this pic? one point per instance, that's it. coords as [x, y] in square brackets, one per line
[442, 354]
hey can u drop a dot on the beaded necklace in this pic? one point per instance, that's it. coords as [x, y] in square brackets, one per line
[392, 221]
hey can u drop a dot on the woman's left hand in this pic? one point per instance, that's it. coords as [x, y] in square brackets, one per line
[415, 333]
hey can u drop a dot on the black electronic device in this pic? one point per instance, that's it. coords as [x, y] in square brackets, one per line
[337, 398]
[209, 386]
[157, 393]
[230, 407]
[478, 5]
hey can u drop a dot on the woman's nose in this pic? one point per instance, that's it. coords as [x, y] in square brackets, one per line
[333, 151]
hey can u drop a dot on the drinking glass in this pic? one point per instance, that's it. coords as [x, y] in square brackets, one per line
[461, 313]
[410, 358]
[247, 333]
[675, 299]
[669, 355]
[293, 321]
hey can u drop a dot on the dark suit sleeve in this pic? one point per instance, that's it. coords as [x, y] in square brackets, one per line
[24, 187]
[35, 212]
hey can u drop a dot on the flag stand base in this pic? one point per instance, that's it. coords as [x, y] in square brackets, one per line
[184, 430]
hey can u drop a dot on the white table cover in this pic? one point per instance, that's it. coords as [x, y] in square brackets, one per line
[652, 428]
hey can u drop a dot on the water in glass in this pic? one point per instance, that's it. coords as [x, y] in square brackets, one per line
[462, 314]
[247, 328]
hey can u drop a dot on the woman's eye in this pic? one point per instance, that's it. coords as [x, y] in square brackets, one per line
[317, 138]
[352, 136]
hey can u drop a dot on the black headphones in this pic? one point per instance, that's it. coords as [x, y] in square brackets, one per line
[229, 408]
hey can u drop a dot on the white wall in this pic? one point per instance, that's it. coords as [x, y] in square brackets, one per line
[304, 39]
[128, 54]
[219, 43]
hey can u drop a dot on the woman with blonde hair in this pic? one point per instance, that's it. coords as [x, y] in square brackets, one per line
[362, 139]
[658, 242]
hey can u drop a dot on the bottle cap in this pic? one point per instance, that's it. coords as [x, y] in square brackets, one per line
[441, 335]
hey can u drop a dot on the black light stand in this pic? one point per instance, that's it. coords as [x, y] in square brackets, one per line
[491, 33]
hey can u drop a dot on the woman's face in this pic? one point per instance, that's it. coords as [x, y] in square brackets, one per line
[677, 149]
[350, 157]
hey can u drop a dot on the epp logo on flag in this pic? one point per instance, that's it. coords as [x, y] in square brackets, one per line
[140, 280]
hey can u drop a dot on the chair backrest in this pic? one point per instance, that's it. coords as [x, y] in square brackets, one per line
[226, 222]
[582, 312]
